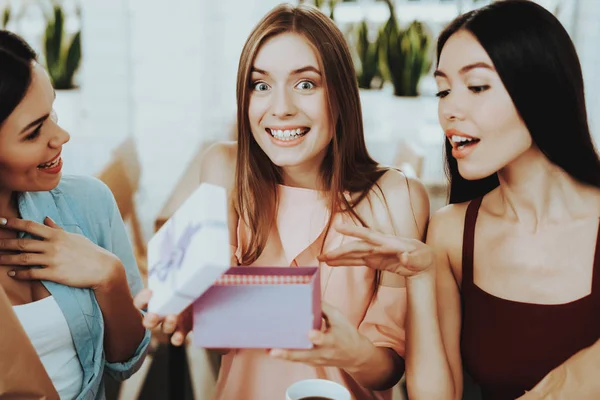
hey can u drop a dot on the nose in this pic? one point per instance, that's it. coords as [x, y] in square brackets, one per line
[283, 105]
[451, 109]
[59, 137]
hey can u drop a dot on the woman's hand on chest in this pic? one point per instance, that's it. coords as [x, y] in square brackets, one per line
[66, 258]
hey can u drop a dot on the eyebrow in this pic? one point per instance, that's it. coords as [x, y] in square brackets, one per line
[308, 68]
[465, 69]
[38, 121]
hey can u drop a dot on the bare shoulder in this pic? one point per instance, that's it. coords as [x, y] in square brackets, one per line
[396, 205]
[218, 164]
[445, 234]
[400, 205]
[218, 167]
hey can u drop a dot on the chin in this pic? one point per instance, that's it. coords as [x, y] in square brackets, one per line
[46, 187]
[283, 162]
[473, 172]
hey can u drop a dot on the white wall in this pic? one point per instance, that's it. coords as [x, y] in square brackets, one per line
[99, 114]
[184, 65]
[165, 73]
[587, 40]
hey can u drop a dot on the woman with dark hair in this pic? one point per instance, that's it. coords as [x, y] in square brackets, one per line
[516, 255]
[66, 265]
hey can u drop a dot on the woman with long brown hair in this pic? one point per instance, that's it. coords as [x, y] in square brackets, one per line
[299, 167]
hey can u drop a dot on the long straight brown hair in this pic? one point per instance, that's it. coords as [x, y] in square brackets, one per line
[347, 165]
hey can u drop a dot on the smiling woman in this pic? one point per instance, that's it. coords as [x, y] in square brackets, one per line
[297, 175]
[26, 163]
[65, 261]
[297, 130]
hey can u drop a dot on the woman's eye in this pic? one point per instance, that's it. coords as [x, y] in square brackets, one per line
[478, 89]
[442, 93]
[305, 85]
[260, 86]
[34, 134]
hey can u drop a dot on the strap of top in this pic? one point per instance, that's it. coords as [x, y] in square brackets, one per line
[596, 273]
[469, 242]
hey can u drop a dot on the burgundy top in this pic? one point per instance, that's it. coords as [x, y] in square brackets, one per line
[509, 346]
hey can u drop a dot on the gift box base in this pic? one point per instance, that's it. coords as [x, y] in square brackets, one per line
[259, 315]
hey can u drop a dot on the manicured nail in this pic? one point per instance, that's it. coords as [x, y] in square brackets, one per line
[276, 353]
[12, 272]
[3, 221]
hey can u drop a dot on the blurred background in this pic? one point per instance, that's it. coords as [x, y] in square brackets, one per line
[143, 86]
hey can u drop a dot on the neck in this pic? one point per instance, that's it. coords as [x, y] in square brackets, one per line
[302, 178]
[535, 191]
[307, 175]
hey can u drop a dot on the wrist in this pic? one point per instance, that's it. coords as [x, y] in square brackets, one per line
[427, 276]
[363, 353]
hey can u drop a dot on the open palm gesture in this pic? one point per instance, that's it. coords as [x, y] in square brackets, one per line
[406, 257]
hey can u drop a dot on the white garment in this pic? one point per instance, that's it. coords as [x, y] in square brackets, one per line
[49, 333]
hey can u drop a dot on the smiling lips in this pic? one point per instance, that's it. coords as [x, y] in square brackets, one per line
[287, 136]
[462, 144]
[53, 166]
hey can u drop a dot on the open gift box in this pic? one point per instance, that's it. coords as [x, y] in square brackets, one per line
[234, 307]
[189, 252]
[259, 307]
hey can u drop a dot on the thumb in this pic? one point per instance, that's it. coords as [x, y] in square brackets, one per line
[50, 222]
[331, 315]
[418, 260]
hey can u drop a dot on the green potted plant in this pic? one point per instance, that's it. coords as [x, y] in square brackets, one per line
[62, 54]
[406, 53]
[331, 5]
[368, 55]
[5, 16]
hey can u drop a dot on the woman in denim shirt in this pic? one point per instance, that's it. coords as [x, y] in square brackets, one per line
[66, 263]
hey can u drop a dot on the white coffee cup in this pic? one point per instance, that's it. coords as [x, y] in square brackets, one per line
[317, 387]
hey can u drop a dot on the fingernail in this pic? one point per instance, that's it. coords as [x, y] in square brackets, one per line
[276, 352]
[12, 272]
[3, 221]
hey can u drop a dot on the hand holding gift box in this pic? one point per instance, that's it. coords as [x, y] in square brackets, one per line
[260, 307]
[239, 307]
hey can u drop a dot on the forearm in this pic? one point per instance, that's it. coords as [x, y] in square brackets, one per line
[123, 329]
[428, 373]
[575, 378]
[379, 368]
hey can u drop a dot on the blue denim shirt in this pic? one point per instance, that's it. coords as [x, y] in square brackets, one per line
[86, 206]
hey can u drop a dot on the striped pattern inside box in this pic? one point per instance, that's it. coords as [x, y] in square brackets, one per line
[226, 280]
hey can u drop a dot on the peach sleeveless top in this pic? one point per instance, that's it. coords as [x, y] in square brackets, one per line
[296, 240]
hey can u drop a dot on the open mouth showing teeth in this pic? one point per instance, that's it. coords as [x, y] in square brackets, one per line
[51, 164]
[460, 142]
[287, 135]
